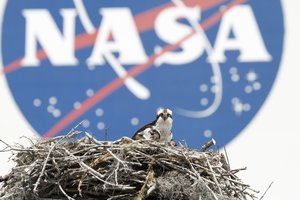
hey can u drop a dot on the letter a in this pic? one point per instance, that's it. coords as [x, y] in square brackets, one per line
[247, 37]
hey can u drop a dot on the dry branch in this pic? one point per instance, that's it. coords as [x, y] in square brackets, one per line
[85, 168]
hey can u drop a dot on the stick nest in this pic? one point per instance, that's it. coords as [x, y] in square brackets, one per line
[85, 168]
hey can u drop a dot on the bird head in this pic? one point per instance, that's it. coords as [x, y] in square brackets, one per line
[164, 114]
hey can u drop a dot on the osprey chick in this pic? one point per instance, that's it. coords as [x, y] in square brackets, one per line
[159, 130]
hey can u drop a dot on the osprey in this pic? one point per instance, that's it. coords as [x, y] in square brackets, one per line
[159, 130]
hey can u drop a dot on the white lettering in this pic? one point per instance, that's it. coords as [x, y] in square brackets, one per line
[118, 23]
[170, 30]
[118, 34]
[247, 37]
[41, 27]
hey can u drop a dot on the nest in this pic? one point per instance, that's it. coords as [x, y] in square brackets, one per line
[85, 168]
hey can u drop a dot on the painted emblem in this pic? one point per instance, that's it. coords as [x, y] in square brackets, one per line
[112, 64]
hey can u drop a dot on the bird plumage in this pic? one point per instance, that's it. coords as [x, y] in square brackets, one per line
[159, 130]
[149, 133]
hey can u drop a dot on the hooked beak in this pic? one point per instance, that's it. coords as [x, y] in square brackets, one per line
[164, 117]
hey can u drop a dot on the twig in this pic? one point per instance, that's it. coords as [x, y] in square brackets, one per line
[43, 169]
[192, 167]
[212, 192]
[215, 179]
[266, 191]
[208, 145]
[149, 177]
[66, 195]
[30, 140]
[92, 169]
[227, 158]
[106, 133]
[72, 133]
[119, 160]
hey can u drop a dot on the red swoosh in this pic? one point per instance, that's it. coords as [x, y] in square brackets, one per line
[144, 22]
[134, 71]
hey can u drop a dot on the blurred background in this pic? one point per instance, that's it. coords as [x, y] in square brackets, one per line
[228, 69]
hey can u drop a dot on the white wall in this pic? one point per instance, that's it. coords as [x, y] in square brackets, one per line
[269, 146]
[12, 123]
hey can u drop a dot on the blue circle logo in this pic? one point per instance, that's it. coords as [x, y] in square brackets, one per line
[113, 64]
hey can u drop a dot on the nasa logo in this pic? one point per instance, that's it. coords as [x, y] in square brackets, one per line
[112, 64]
